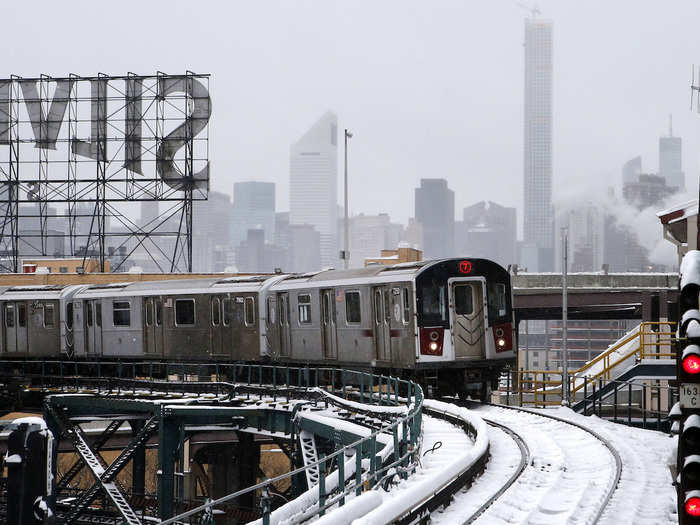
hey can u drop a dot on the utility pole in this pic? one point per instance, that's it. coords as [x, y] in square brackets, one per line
[564, 316]
[346, 223]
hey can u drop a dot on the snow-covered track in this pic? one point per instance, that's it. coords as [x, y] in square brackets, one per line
[569, 471]
[524, 462]
[443, 496]
[608, 445]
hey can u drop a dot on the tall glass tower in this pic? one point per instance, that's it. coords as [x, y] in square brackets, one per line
[313, 193]
[538, 224]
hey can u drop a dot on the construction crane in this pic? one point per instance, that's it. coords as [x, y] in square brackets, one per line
[532, 8]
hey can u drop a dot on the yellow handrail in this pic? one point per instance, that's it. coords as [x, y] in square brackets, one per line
[540, 386]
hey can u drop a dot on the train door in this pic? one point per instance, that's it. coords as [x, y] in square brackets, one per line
[467, 313]
[284, 331]
[216, 326]
[381, 305]
[328, 324]
[93, 326]
[22, 327]
[10, 315]
[227, 342]
[153, 325]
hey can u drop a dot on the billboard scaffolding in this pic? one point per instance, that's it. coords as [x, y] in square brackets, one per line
[81, 153]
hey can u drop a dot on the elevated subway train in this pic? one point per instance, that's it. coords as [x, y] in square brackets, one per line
[448, 323]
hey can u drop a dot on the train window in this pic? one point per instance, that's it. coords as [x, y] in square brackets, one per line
[496, 300]
[9, 315]
[270, 311]
[88, 314]
[378, 306]
[228, 311]
[149, 312]
[216, 311]
[464, 301]
[433, 307]
[159, 312]
[304, 304]
[184, 312]
[69, 315]
[405, 299]
[98, 313]
[21, 315]
[353, 312]
[249, 308]
[387, 305]
[284, 310]
[48, 315]
[121, 313]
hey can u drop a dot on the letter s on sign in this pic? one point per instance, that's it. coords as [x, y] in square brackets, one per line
[176, 139]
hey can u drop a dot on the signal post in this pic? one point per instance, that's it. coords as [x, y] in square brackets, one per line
[688, 374]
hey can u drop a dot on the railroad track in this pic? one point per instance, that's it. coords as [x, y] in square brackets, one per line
[564, 475]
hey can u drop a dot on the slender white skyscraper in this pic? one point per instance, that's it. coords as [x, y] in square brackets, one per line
[538, 217]
[313, 174]
[671, 159]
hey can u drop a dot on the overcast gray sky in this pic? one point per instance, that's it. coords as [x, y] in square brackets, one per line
[430, 89]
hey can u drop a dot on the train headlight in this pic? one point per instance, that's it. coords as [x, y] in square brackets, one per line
[433, 346]
[501, 342]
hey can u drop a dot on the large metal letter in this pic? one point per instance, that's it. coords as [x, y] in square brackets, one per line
[132, 144]
[46, 128]
[5, 112]
[196, 122]
[98, 122]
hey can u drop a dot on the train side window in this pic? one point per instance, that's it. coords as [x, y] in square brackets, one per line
[159, 312]
[353, 312]
[69, 315]
[464, 303]
[98, 313]
[228, 311]
[48, 316]
[304, 304]
[121, 313]
[9, 315]
[249, 312]
[406, 298]
[378, 306]
[270, 311]
[149, 312]
[184, 312]
[88, 314]
[21, 315]
[216, 311]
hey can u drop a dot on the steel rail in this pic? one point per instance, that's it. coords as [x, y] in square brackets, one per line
[524, 462]
[605, 442]
[444, 495]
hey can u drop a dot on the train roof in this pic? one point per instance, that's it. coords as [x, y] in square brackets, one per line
[38, 291]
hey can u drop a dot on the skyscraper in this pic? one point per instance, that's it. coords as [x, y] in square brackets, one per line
[487, 230]
[670, 160]
[435, 210]
[313, 171]
[253, 208]
[538, 216]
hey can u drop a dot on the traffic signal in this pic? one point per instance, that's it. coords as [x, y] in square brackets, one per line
[688, 375]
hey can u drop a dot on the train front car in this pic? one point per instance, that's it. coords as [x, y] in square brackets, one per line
[465, 325]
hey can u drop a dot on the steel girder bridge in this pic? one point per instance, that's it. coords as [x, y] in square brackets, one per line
[318, 417]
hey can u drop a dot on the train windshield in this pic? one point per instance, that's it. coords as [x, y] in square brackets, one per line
[434, 304]
[496, 301]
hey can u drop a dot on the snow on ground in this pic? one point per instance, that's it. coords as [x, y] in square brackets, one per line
[569, 474]
[645, 494]
[504, 460]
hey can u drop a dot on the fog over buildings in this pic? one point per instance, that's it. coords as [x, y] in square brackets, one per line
[525, 113]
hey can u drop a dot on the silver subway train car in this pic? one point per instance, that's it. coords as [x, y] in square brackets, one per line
[447, 323]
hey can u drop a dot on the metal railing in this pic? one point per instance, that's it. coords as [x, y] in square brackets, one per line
[402, 428]
[654, 340]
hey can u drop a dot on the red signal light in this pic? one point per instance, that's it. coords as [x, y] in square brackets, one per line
[692, 506]
[691, 365]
